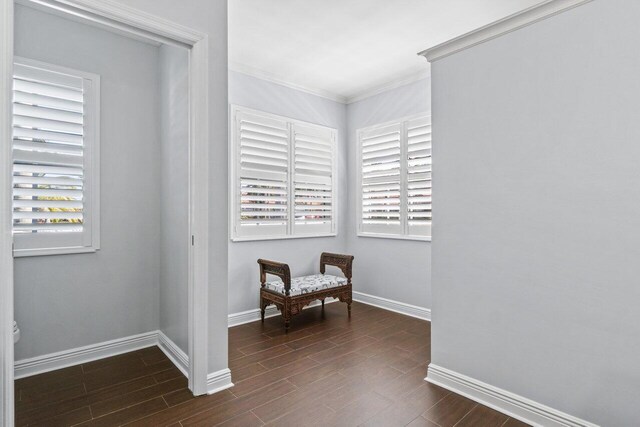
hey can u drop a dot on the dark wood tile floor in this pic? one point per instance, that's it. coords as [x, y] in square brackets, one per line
[328, 371]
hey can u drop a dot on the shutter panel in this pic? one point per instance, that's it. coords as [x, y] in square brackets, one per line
[418, 133]
[313, 174]
[263, 168]
[48, 152]
[380, 151]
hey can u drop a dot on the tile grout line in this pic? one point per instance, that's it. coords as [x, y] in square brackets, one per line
[86, 393]
[429, 408]
[254, 414]
[127, 407]
[132, 405]
[465, 415]
[255, 391]
[283, 378]
[203, 409]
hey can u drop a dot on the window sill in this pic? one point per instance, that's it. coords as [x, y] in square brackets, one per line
[20, 253]
[396, 237]
[258, 238]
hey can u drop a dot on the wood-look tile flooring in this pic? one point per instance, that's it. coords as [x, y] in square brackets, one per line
[328, 371]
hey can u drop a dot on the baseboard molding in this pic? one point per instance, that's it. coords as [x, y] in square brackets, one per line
[174, 353]
[237, 319]
[50, 362]
[218, 381]
[391, 305]
[501, 400]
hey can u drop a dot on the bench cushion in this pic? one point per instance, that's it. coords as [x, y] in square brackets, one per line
[307, 284]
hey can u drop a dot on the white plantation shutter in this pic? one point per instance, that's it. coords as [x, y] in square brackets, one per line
[395, 179]
[263, 175]
[419, 176]
[53, 141]
[313, 179]
[380, 163]
[283, 177]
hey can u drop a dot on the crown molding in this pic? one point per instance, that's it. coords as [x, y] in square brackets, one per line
[393, 84]
[120, 18]
[503, 26]
[269, 77]
[369, 92]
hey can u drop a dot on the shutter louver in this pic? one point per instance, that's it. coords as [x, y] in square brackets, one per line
[283, 177]
[419, 176]
[48, 152]
[264, 173]
[381, 180]
[313, 179]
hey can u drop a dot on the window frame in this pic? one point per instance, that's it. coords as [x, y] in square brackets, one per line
[234, 181]
[88, 240]
[404, 180]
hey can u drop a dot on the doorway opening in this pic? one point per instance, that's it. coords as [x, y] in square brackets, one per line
[108, 188]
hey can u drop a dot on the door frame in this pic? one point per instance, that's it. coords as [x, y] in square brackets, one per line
[136, 23]
[6, 238]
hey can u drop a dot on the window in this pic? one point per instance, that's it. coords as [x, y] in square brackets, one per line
[55, 159]
[394, 179]
[284, 177]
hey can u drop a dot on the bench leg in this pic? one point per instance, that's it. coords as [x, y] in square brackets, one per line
[323, 303]
[287, 321]
[286, 314]
[346, 298]
[263, 306]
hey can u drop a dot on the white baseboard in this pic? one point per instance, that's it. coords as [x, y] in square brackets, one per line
[218, 381]
[237, 319]
[62, 359]
[391, 305]
[174, 353]
[501, 400]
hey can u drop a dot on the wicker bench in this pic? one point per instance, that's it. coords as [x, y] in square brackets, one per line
[290, 296]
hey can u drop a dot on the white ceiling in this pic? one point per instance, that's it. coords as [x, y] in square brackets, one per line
[347, 48]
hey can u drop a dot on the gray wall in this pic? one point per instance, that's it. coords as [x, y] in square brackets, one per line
[302, 255]
[67, 301]
[399, 270]
[388, 268]
[209, 17]
[174, 203]
[535, 255]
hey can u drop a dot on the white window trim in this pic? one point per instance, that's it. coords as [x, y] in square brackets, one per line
[93, 162]
[234, 155]
[403, 181]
